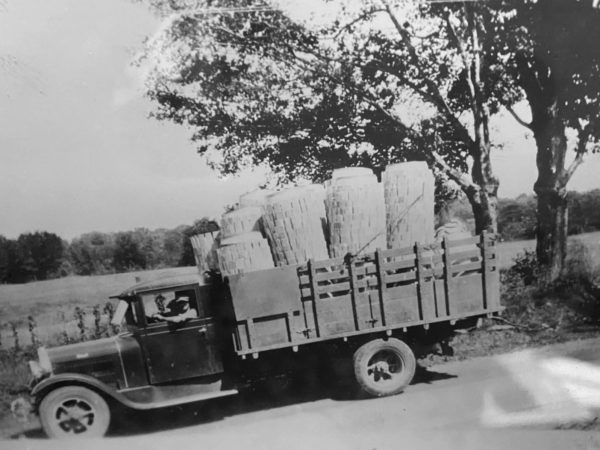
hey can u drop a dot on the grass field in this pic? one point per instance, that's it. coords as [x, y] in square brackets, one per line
[52, 302]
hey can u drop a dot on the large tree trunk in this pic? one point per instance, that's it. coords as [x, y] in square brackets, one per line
[551, 191]
[551, 233]
[484, 201]
[484, 198]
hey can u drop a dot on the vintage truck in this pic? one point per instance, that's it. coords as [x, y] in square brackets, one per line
[372, 310]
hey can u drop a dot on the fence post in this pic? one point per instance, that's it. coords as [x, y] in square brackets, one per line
[80, 318]
[32, 325]
[15, 333]
[97, 317]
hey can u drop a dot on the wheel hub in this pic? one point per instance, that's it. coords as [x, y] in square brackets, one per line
[75, 416]
[384, 366]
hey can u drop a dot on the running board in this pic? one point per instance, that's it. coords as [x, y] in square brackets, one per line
[150, 397]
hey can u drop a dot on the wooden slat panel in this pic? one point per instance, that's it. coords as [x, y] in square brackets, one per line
[399, 264]
[466, 241]
[420, 281]
[485, 267]
[306, 293]
[325, 289]
[327, 302]
[315, 297]
[428, 304]
[333, 275]
[401, 305]
[464, 267]
[327, 263]
[435, 259]
[447, 286]
[464, 254]
[354, 296]
[370, 282]
[397, 252]
[468, 294]
[382, 286]
[251, 333]
[370, 269]
[400, 277]
[377, 303]
[440, 298]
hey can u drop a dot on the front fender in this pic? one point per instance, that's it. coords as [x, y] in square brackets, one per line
[65, 379]
[152, 396]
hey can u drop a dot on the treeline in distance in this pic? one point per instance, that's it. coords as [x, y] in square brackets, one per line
[42, 255]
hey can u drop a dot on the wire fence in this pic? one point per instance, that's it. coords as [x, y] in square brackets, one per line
[77, 325]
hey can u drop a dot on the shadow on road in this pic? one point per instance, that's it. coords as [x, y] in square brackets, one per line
[426, 376]
[267, 397]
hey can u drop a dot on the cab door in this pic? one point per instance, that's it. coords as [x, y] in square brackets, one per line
[176, 351]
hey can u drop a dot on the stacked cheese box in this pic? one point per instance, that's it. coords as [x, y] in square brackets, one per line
[352, 213]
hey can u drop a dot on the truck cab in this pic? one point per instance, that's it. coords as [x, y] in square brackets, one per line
[174, 351]
[153, 363]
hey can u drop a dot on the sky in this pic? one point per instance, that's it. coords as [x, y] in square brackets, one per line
[79, 153]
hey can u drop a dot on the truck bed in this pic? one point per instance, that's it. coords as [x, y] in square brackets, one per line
[385, 290]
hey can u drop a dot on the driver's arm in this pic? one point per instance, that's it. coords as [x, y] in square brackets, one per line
[189, 314]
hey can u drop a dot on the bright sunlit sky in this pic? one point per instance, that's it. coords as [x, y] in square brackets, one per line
[78, 152]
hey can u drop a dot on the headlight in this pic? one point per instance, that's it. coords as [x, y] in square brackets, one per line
[36, 369]
[44, 363]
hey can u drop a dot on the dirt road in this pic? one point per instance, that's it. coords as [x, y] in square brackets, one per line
[527, 399]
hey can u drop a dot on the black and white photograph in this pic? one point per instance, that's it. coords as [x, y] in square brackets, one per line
[279, 224]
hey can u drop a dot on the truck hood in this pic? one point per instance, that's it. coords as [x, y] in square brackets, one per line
[98, 358]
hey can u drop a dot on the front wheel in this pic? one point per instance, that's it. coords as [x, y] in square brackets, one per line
[384, 367]
[74, 411]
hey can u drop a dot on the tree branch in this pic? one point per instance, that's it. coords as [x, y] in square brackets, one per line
[584, 136]
[363, 16]
[463, 53]
[518, 118]
[571, 169]
[455, 175]
[530, 83]
[436, 96]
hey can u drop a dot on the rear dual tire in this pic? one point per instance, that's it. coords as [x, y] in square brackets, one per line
[384, 367]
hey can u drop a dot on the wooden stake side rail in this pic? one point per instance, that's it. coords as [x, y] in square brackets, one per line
[377, 292]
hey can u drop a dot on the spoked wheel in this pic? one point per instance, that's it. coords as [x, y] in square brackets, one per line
[384, 367]
[74, 411]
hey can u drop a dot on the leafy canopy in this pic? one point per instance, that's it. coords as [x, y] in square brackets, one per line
[377, 83]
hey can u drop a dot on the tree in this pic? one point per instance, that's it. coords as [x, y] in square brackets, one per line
[128, 254]
[92, 253]
[8, 256]
[517, 218]
[173, 246]
[558, 68]
[383, 83]
[584, 211]
[39, 255]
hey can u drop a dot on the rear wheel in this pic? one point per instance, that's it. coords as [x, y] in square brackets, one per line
[384, 367]
[73, 412]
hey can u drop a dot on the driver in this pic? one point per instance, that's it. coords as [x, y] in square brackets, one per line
[176, 311]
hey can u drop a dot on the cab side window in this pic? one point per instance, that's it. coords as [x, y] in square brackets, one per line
[168, 303]
[193, 300]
